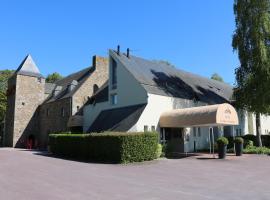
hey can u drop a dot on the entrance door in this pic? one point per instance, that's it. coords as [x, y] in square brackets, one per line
[175, 139]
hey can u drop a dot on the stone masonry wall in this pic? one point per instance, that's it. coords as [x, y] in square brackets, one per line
[54, 117]
[29, 95]
[98, 77]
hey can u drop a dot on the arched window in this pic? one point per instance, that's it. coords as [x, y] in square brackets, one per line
[95, 88]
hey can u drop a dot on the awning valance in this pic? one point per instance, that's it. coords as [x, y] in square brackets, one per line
[213, 115]
[75, 121]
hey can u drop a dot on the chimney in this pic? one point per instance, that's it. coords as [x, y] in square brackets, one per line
[57, 90]
[118, 50]
[72, 85]
[128, 52]
[94, 59]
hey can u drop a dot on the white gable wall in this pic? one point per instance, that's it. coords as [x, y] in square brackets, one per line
[129, 92]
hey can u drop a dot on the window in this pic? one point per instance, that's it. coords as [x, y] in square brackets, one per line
[194, 131]
[114, 99]
[187, 137]
[47, 112]
[114, 74]
[39, 79]
[153, 128]
[23, 103]
[95, 88]
[78, 108]
[199, 132]
[62, 112]
[145, 128]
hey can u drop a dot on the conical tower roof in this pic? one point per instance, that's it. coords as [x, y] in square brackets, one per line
[28, 67]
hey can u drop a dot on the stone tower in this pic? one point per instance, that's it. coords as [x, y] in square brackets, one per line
[25, 93]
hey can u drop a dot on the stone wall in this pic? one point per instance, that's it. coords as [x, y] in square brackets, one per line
[99, 76]
[22, 108]
[53, 117]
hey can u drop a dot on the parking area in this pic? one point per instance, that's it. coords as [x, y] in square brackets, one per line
[29, 175]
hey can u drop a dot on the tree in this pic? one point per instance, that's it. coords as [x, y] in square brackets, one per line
[251, 40]
[4, 76]
[52, 78]
[217, 77]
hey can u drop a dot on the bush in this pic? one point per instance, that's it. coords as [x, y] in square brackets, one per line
[159, 150]
[238, 140]
[250, 137]
[256, 150]
[248, 143]
[113, 147]
[222, 141]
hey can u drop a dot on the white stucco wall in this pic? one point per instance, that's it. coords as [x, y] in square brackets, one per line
[129, 92]
[158, 104]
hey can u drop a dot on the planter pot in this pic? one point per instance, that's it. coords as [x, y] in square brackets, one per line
[238, 149]
[222, 150]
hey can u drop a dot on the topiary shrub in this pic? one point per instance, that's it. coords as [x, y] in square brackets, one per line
[222, 141]
[116, 147]
[238, 140]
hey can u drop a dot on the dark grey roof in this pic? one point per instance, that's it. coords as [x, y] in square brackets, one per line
[80, 77]
[28, 68]
[117, 119]
[166, 80]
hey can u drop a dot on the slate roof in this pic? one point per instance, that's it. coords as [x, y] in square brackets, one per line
[28, 67]
[117, 119]
[163, 79]
[80, 77]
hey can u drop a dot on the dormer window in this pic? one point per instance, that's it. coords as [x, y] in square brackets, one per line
[114, 74]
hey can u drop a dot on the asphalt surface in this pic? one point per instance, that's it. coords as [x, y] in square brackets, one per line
[29, 175]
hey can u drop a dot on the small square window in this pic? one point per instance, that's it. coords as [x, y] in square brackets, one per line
[145, 128]
[153, 128]
[23, 103]
[114, 99]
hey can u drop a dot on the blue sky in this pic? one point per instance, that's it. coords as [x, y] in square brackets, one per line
[62, 36]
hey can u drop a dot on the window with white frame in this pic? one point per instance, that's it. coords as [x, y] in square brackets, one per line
[113, 99]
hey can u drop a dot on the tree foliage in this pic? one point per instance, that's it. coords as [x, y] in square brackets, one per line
[4, 76]
[217, 77]
[52, 78]
[252, 42]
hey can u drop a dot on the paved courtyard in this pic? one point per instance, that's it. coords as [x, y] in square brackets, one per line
[27, 175]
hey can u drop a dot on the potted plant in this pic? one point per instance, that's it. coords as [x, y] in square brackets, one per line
[222, 147]
[238, 141]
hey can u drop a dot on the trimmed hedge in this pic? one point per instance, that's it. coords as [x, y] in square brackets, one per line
[116, 147]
